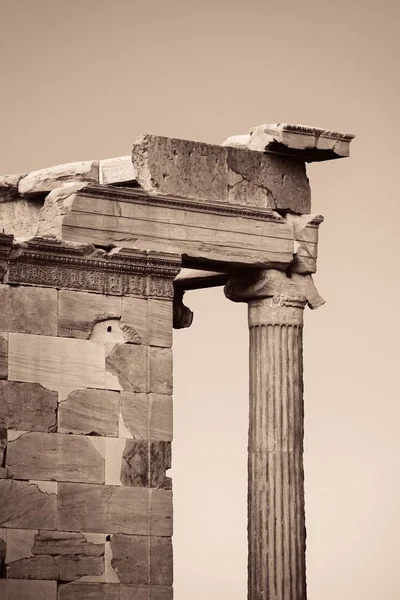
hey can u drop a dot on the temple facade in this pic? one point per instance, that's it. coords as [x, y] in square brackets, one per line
[95, 259]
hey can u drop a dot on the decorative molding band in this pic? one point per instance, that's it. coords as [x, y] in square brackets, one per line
[127, 272]
[317, 132]
[140, 197]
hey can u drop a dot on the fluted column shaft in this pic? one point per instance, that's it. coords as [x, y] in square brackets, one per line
[276, 518]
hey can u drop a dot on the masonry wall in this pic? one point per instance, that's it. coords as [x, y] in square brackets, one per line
[85, 443]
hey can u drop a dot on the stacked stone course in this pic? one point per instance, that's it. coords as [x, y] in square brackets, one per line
[85, 425]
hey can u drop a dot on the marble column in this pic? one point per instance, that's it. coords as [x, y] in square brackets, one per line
[276, 515]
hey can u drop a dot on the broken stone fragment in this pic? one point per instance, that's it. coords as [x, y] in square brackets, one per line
[25, 506]
[20, 217]
[61, 568]
[56, 457]
[89, 411]
[57, 204]
[9, 186]
[116, 170]
[130, 558]
[45, 180]
[61, 543]
[309, 143]
[213, 173]
[27, 407]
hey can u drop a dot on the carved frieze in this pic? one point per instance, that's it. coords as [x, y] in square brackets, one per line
[126, 272]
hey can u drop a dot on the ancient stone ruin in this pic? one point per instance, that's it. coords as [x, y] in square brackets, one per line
[95, 258]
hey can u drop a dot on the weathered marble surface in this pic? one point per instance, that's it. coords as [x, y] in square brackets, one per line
[28, 310]
[221, 174]
[26, 506]
[27, 407]
[94, 412]
[45, 180]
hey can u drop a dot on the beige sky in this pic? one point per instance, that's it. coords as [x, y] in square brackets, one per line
[82, 79]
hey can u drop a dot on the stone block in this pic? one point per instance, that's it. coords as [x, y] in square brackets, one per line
[221, 174]
[160, 461]
[161, 567]
[27, 407]
[89, 591]
[60, 568]
[161, 417]
[25, 506]
[144, 592]
[45, 180]
[3, 445]
[28, 309]
[135, 464]
[3, 355]
[135, 314]
[53, 456]
[20, 218]
[160, 360]
[117, 170]
[135, 415]
[9, 186]
[126, 367]
[60, 543]
[161, 513]
[103, 509]
[130, 558]
[89, 411]
[56, 361]
[79, 311]
[13, 589]
[160, 323]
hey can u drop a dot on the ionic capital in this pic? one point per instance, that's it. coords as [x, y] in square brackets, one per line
[291, 290]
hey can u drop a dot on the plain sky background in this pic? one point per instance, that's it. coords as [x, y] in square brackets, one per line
[81, 79]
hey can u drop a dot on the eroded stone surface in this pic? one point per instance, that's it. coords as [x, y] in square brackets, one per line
[128, 364]
[160, 370]
[9, 186]
[135, 464]
[63, 543]
[220, 174]
[79, 311]
[3, 355]
[160, 461]
[57, 204]
[161, 522]
[27, 407]
[135, 414]
[87, 412]
[161, 418]
[27, 309]
[49, 456]
[3, 445]
[117, 170]
[61, 568]
[89, 591]
[161, 568]
[103, 508]
[45, 180]
[12, 589]
[25, 506]
[20, 218]
[130, 558]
